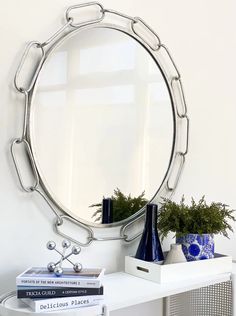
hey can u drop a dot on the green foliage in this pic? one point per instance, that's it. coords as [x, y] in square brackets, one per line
[198, 218]
[123, 206]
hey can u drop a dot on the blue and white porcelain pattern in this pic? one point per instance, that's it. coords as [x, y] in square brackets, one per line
[197, 247]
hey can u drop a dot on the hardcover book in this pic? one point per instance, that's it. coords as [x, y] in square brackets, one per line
[49, 292]
[54, 304]
[87, 278]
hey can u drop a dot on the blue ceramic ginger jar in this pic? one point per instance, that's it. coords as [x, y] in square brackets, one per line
[196, 246]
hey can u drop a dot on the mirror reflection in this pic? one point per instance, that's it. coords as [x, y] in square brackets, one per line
[101, 123]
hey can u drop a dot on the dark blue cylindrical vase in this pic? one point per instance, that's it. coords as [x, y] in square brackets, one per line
[149, 248]
[107, 211]
[196, 246]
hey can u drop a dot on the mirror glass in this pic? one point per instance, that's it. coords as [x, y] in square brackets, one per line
[101, 120]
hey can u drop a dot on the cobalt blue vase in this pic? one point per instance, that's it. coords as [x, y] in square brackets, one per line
[196, 246]
[149, 248]
[107, 211]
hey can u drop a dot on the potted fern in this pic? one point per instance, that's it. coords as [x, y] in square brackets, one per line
[195, 225]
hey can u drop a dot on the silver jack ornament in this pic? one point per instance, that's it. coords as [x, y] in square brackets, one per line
[57, 267]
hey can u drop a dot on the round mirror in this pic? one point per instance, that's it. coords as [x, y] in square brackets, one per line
[101, 123]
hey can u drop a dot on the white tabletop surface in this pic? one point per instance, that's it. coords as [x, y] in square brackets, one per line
[123, 290]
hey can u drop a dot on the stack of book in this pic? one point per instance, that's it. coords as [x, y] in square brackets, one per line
[44, 291]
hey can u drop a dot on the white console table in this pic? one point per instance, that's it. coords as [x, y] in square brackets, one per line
[121, 290]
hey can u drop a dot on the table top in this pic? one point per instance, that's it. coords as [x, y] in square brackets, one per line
[124, 290]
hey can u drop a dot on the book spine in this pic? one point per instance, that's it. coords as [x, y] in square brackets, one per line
[25, 292]
[62, 303]
[58, 282]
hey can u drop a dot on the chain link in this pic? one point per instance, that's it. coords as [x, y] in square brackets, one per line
[179, 82]
[28, 48]
[187, 135]
[183, 115]
[90, 237]
[179, 171]
[172, 61]
[146, 27]
[83, 5]
[126, 226]
[18, 141]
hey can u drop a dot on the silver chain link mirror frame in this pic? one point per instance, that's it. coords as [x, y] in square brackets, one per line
[173, 80]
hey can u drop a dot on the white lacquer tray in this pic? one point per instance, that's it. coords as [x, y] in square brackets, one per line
[178, 271]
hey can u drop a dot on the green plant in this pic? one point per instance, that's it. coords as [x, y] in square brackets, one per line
[198, 218]
[123, 206]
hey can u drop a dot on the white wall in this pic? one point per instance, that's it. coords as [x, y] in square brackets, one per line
[200, 35]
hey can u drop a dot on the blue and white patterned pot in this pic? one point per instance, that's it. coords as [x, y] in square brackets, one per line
[197, 247]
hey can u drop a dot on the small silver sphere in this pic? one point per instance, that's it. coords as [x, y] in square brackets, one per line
[76, 250]
[77, 267]
[58, 271]
[51, 245]
[66, 244]
[51, 266]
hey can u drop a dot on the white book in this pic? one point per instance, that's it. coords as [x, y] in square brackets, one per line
[62, 303]
[87, 278]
